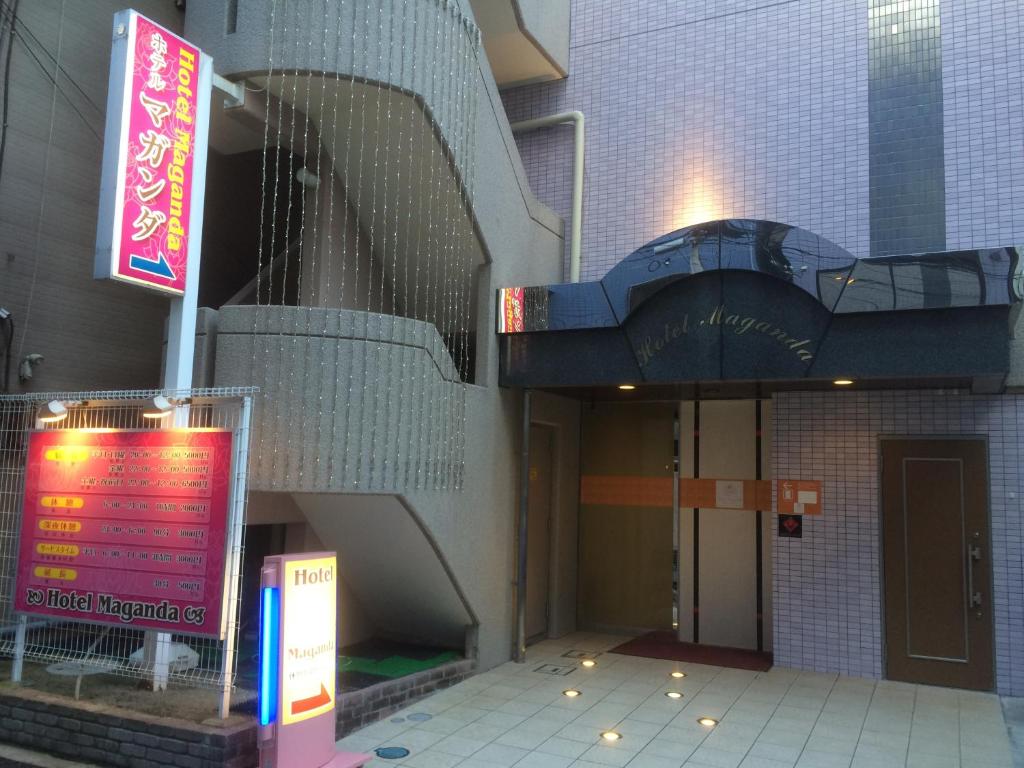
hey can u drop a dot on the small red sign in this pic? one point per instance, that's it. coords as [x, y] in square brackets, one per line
[511, 310]
[126, 527]
[791, 526]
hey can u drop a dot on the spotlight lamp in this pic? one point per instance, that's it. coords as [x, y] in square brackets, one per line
[52, 412]
[158, 407]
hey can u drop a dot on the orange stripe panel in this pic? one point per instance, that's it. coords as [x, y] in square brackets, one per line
[637, 491]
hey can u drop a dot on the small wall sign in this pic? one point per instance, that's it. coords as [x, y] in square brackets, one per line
[791, 526]
[799, 497]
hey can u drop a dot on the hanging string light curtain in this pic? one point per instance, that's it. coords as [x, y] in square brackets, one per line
[366, 263]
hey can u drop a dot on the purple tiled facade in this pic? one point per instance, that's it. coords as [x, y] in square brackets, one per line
[699, 110]
[827, 592]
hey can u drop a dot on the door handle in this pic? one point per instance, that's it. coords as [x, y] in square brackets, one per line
[973, 555]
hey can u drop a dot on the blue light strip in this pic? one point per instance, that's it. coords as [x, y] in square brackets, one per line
[270, 628]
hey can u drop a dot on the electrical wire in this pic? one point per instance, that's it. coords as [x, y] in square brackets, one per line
[8, 349]
[16, 33]
[22, 27]
[7, 93]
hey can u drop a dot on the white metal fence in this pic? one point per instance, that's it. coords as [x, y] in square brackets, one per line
[77, 648]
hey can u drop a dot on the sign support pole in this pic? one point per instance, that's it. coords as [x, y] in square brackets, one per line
[18, 663]
[181, 325]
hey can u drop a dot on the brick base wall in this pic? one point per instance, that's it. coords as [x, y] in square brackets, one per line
[360, 708]
[109, 736]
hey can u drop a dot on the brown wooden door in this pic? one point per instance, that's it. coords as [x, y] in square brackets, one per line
[937, 562]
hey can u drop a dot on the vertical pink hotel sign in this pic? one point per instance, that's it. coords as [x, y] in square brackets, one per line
[146, 187]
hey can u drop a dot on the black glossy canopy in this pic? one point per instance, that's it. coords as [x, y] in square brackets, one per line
[740, 299]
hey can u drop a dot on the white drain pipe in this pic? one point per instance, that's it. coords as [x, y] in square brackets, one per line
[577, 178]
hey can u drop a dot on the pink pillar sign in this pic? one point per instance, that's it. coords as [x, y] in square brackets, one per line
[298, 663]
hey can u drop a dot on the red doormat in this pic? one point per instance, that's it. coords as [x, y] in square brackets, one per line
[664, 645]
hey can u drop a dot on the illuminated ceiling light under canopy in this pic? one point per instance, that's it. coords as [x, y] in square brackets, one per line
[843, 382]
[627, 387]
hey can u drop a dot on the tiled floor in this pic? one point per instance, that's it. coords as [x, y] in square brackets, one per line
[516, 716]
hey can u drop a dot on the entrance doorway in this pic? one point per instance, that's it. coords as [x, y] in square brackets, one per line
[538, 543]
[937, 562]
[701, 581]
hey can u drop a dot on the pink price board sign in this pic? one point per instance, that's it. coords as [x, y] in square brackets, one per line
[126, 527]
[149, 146]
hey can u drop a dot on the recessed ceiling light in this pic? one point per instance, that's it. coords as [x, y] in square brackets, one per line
[572, 693]
[843, 382]
[627, 387]
[707, 722]
[678, 674]
[674, 694]
[611, 736]
[589, 663]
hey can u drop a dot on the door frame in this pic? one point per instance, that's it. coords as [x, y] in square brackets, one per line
[551, 531]
[880, 532]
[555, 620]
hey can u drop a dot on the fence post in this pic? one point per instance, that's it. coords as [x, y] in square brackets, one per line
[234, 564]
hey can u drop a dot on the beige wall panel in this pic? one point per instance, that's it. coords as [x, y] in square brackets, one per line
[625, 578]
[728, 579]
[767, 473]
[625, 551]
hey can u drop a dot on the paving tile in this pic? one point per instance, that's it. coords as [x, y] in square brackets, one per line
[752, 761]
[500, 755]
[523, 738]
[643, 760]
[431, 759]
[811, 758]
[543, 760]
[563, 747]
[456, 745]
[779, 719]
[609, 755]
[778, 752]
[717, 757]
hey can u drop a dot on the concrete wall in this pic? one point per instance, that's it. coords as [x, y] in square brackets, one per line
[473, 528]
[94, 335]
[547, 23]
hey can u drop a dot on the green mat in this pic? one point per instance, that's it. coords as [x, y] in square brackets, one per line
[393, 666]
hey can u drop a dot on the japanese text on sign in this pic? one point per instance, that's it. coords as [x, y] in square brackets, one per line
[154, 144]
[126, 527]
